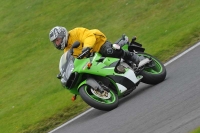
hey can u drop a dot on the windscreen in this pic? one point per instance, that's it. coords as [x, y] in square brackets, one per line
[66, 66]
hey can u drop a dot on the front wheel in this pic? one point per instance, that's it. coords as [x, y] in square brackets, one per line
[97, 100]
[153, 73]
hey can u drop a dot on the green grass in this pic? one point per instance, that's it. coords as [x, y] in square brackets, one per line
[31, 98]
[196, 130]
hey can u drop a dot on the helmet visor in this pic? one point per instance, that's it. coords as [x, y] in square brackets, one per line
[58, 46]
[57, 42]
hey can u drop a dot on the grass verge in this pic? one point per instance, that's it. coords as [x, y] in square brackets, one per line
[31, 98]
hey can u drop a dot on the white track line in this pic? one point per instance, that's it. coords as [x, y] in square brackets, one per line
[72, 120]
[167, 63]
[178, 56]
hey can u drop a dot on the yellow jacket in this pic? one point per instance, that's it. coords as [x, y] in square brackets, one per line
[87, 38]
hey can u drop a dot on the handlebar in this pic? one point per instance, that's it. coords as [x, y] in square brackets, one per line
[85, 53]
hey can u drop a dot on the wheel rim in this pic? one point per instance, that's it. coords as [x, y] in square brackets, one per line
[156, 69]
[109, 100]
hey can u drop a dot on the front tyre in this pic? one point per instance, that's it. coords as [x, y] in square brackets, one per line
[155, 72]
[94, 99]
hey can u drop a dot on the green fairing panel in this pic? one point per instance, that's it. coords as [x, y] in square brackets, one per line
[75, 89]
[97, 68]
[125, 47]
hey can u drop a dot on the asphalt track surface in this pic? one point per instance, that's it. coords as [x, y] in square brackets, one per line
[172, 106]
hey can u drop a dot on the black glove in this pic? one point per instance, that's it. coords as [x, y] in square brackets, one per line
[85, 49]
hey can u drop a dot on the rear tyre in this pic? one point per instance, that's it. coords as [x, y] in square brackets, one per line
[153, 75]
[105, 103]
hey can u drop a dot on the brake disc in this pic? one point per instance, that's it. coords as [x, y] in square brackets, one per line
[104, 95]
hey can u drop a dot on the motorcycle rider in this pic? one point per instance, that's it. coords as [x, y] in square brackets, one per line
[95, 39]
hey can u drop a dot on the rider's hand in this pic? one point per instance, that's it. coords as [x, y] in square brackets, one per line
[85, 49]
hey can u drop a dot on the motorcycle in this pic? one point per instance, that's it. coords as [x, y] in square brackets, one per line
[102, 81]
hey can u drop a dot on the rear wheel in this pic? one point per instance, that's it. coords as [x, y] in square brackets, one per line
[153, 73]
[103, 101]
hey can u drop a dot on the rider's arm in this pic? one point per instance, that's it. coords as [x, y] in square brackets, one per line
[89, 40]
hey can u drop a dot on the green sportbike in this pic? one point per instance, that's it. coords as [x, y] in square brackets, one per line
[102, 81]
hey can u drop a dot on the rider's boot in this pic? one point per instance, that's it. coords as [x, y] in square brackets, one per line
[132, 57]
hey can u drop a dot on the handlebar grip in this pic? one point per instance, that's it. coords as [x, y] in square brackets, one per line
[82, 55]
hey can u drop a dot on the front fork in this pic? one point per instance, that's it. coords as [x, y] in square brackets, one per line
[94, 84]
